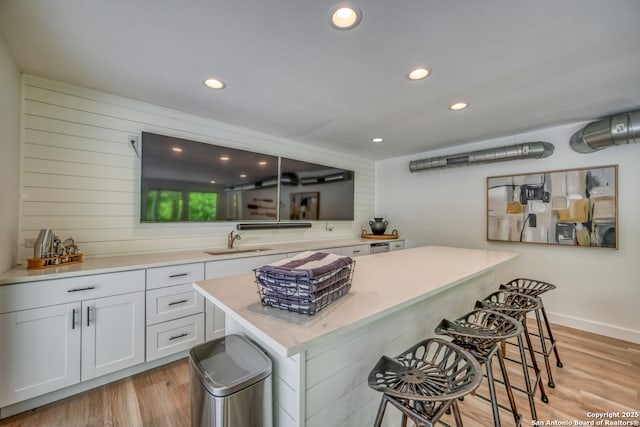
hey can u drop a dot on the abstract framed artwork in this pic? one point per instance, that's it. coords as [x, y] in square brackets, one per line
[573, 207]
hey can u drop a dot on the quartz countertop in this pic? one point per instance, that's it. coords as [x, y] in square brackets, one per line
[112, 264]
[382, 284]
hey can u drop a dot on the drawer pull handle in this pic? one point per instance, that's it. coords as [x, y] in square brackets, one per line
[73, 319]
[88, 288]
[357, 251]
[182, 301]
[173, 276]
[184, 334]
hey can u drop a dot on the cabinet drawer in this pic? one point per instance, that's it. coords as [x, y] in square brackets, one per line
[161, 277]
[354, 251]
[172, 303]
[24, 296]
[177, 335]
[396, 246]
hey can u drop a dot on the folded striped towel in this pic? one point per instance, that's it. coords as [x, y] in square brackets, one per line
[308, 264]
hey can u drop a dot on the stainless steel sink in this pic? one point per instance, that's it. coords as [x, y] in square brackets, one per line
[237, 251]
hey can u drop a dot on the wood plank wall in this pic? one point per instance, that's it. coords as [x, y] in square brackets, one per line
[81, 177]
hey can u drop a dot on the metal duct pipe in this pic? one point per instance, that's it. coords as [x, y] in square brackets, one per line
[526, 150]
[615, 130]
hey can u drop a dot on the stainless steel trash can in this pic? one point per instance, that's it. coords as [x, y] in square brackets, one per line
[230, 384]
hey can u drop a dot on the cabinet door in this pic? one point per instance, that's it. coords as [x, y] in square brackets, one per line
[112, 334]
[39, 351]
[215, 321]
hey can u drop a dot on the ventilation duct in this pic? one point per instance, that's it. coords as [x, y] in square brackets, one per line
[527, 150]
[615, 130]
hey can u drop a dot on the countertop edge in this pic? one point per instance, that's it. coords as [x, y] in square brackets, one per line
[112, 264]
[291, 350]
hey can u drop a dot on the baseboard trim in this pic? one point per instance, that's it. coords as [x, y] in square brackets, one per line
[45, 399]
[596, 327]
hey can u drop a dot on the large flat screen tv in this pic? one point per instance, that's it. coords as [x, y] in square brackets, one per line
[189, 181]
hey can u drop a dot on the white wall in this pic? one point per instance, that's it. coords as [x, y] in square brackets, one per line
[598, 289]
[10, 157]
[82, 178]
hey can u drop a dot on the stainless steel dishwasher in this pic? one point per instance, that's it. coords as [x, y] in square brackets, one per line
[379, 247]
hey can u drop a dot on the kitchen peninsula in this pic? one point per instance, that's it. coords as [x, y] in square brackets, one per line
[321, 362]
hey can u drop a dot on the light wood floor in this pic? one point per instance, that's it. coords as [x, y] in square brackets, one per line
[600, 374]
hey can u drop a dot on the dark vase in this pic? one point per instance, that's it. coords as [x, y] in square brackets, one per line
[378, 226]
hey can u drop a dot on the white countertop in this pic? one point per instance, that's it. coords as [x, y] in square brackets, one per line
[133, 262]
[382, 284]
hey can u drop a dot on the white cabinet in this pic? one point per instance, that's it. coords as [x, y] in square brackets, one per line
[39, 351]
[215, 321]
[214, 317]
[112, 334]
[175, 311]
[396, 245]
[57, 333]
[356, 250]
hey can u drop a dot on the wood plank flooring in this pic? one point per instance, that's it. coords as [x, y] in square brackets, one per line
[600, 374]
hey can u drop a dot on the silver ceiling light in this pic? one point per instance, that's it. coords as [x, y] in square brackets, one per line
[620, 129]
[527, 150]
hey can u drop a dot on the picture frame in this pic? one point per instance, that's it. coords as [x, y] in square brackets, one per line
[570, 207]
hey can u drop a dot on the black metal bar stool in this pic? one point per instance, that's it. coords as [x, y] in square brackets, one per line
[517, 305]
[481, 332]
[535, 288]
[425, 381]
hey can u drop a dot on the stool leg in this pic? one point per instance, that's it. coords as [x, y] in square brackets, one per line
[492, 392]
[534, 362]
[553, 340]
[381, 409]
[545, 353]
[404, 420]
[456, 414]
[527, 381]
[507, 385]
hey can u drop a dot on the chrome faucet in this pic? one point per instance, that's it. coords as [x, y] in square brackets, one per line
[231, 238]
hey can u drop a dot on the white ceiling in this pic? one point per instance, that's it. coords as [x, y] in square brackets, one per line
[521, 65]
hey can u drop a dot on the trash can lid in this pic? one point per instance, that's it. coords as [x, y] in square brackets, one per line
[229, 364]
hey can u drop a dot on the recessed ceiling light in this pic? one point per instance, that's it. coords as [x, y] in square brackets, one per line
[419, 73]
[176, 149]
[345, 17]
[262, 163]
[215, 83]
[459, 106]
[243, 175]
[377, 140]
[212, 181]
[224, 158]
